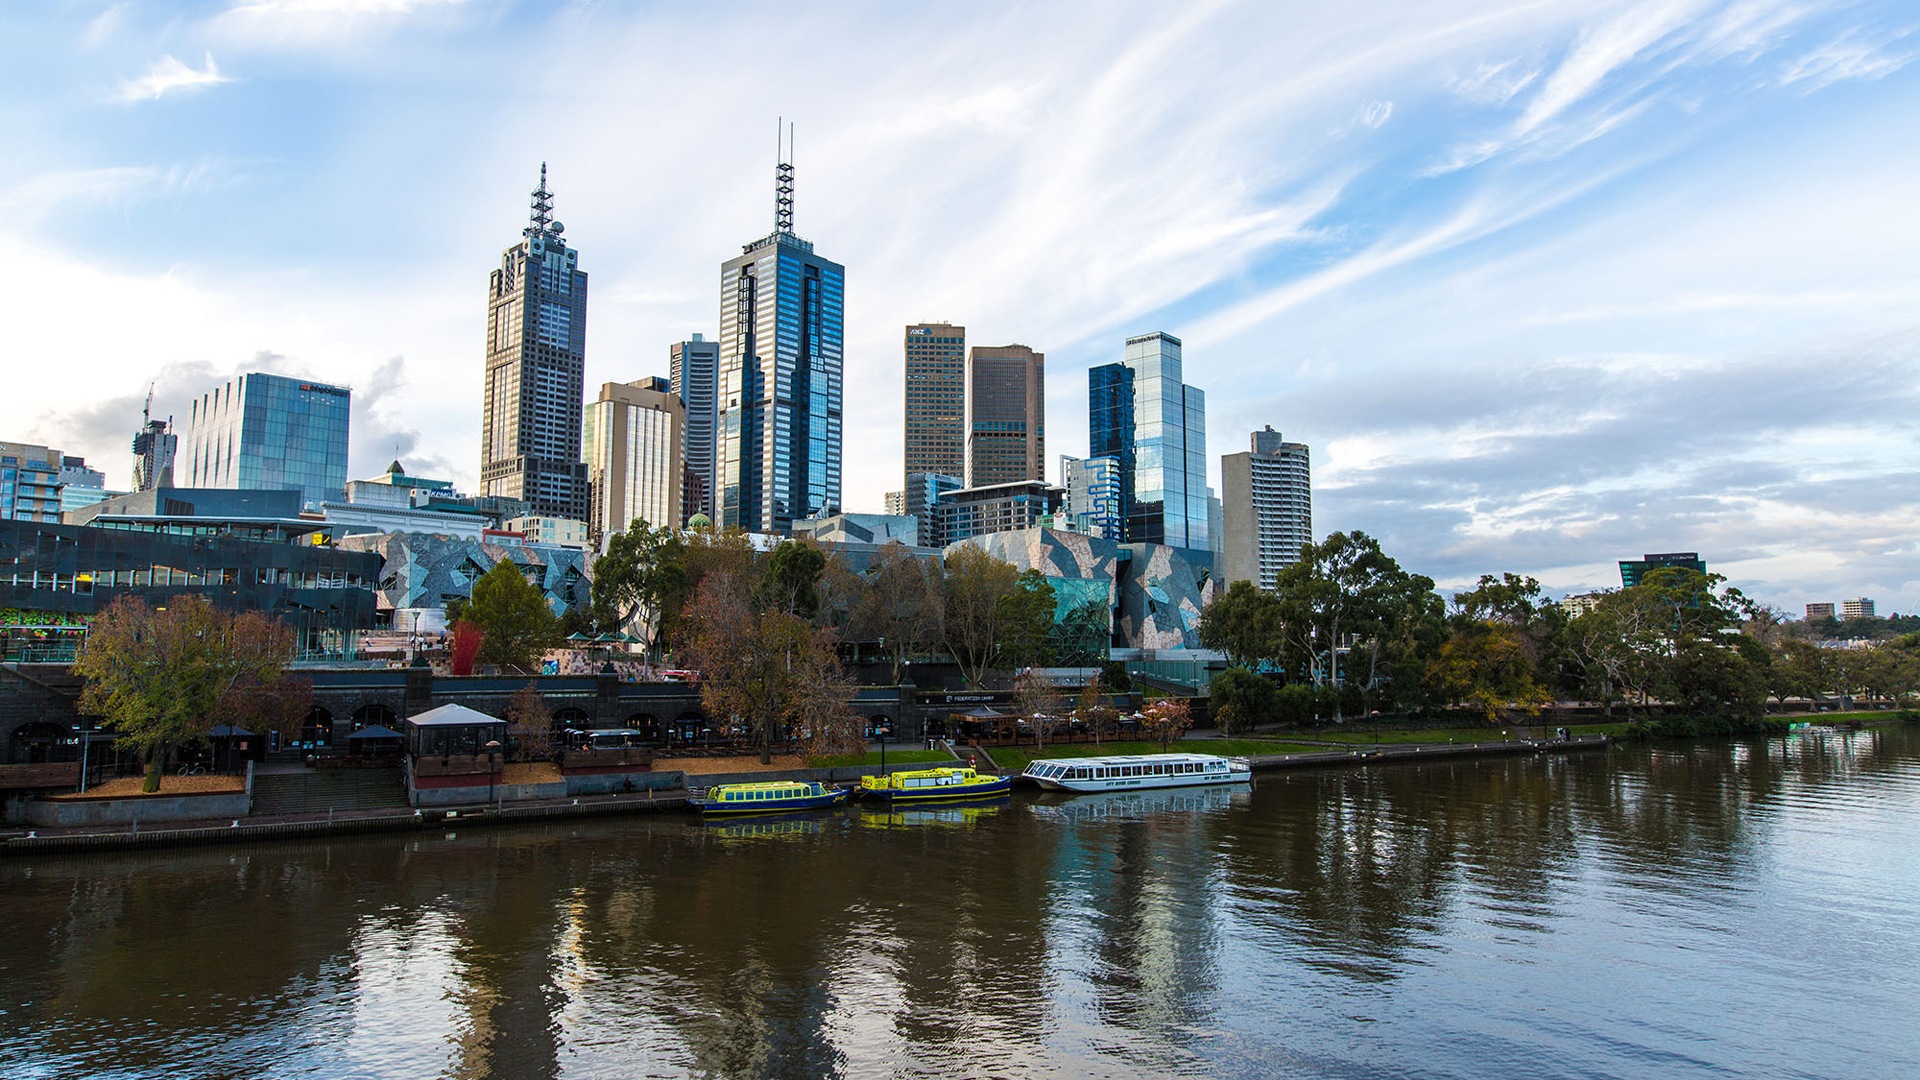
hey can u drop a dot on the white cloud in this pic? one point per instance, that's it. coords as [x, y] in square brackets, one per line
[102, 27]
[167, 76]
[335, 7]
[1850, 56]
[1375, 115]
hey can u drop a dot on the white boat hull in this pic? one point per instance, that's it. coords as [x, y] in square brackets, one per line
[1137, 772]
[1142, 783]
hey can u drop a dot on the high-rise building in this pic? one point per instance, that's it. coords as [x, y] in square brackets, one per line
[153, 451]
[1093, 502]
[916, 501]
[1860, 607]
[1266, 509]
[1154, 426]
[80, 485]
[262, 432]
[29, 482]
[536, 370]
[778, 453]
[694, 368]
[936, 433]
[635, 448]
[957, 515]
[1006, 415]
[1817, 611]
[1632, 570]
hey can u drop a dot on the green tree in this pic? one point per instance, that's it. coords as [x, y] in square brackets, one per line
[642, 569]
[514, 617]
[1242, 701]
[158, 675]
[1340, 592]
[1244, 623]
[973, 587]
[1026, 622]
[790, 580]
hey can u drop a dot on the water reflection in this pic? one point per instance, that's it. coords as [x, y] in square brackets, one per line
[1326, 919]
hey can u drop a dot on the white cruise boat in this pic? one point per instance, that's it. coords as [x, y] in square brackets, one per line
[1135, 771]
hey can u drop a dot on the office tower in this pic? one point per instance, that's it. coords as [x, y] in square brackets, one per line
[263, 432]
[536, 370]
[1155, 428]
[29, 482]
[694, 368]
[1266, 509]
[936, 434]
[1859, 607]
[1093, 502]
[80, 485]
[635, 448]
[1819, 611]
[977, 511]
[1006, 415]
[922, 491]
[778, 453]
[153, 451]
[1632, 570]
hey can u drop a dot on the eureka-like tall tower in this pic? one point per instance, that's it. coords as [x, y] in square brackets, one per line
[777, 452]
[536, 370]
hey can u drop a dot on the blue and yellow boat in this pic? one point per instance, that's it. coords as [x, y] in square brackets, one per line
[933, 785]
[770, 797]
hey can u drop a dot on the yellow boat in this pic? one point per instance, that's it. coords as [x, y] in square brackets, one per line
[770, 797]
[930, 785]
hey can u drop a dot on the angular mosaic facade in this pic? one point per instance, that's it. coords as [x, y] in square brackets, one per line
[425, 570]
[1156, 592]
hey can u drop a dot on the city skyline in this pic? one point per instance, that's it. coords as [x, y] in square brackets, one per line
[1544, 287]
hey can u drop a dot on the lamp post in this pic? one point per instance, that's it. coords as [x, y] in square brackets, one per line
[882, 731]
[493, 748]
[85, 742]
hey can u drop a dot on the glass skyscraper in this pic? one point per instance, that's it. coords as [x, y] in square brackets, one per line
[778, 452]
[536, 371]
[694, 369]
[264, 432]
[1154, 426]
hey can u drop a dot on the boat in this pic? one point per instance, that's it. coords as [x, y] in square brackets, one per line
[770, 797]
[1131, 772]
[933, 785]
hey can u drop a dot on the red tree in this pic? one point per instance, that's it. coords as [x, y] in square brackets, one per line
[467, 638]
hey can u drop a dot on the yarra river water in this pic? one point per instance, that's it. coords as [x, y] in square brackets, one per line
[1730, 909]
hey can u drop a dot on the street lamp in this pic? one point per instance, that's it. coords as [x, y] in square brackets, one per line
[882, 731]
[493, 748]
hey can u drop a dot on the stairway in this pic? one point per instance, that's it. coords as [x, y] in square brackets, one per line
[319, 790]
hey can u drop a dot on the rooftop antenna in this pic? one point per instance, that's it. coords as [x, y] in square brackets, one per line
[783, 179]
[542, 206]
[146, 414]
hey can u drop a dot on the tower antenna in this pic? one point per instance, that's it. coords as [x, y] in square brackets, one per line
[146, 414]
[783, 180]
[542, 206]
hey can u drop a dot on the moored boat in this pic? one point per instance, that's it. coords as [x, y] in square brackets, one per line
[1135, 771]
[770, 797]
[933, 785]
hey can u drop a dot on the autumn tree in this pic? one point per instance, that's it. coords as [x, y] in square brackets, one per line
[157, 675]
[529, 725]
[279, 704]
[1167, 719]
[902, 607]
[513, 616]
[1037, 700]
[974, 586]
[1096, 717]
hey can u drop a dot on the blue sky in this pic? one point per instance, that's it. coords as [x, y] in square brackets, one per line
[1544, 285]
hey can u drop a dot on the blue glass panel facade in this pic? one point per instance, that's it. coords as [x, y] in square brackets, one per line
[1144, 416]
[264, 432]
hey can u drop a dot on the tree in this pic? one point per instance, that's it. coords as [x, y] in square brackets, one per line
[1244, 623]
[641, 569]
[529, 725]
[513, 616]
[1095, 715]
[280, 704]
[1026, 622]
[1167, 719]
[1489, 666]
[902, 607]
[768, 675]
[1242, 701]
[1340, 590]
[974, 586]
[467, 639]
[1037, 700]
[790, 581]
[158, 675]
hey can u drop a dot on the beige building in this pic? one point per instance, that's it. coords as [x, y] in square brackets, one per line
[1859, 607]
[1006, 415]
[936, 378]
[634, 441]
[1267, 509]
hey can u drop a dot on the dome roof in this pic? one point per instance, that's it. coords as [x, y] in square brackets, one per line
[699, 521]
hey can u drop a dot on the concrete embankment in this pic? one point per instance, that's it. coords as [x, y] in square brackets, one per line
[1404, 752]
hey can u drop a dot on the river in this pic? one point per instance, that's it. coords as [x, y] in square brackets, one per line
[1722, 908]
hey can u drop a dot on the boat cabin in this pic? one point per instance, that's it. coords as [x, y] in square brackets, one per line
[765, 792]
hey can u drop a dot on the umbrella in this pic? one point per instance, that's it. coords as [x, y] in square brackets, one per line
[228, 731]
[374, 732]
[578, 636]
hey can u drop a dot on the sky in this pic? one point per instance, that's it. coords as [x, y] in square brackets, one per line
[1544, 285]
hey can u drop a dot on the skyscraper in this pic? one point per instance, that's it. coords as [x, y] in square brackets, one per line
[1154, 426]
[778, 453]
[536, 370]
[694, 368]
[936, 433]
[1267, 509]
[1006, 415]
[264, 432]
[634, 443]
[153, 451]
[1093, 503]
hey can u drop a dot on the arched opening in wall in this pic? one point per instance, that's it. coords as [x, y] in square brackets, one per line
[647, 725]
[375, 714]
[880, 724]
[40, 742]
[317, 731]
[690, 729]
[567, 725]
[571, 717]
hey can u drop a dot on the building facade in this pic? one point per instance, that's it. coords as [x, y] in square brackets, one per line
[1860, 607]
[778, 453]
[694, 371]
[154, 448]
[1154, 426]
[536, 370]
[1006, 415]
[546, 531]
[1266, 513]
[635, 446]
[1094, 503]
[936, 389]
[1632, 570]
[969, 512]
[29, 482]
[264, 432]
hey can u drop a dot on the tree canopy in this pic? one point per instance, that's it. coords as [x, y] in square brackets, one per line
[514, 619]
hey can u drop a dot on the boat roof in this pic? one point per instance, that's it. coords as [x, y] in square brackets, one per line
[1126, 759]
[754, 785]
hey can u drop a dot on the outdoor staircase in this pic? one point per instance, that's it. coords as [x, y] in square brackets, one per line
[316, 791]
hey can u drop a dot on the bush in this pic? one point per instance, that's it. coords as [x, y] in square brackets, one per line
[1242, 701]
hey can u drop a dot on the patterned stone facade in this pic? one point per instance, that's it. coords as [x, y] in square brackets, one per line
[1156, 592]
[425, 570]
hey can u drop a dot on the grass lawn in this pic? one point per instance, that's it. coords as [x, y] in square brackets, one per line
[1364, 734]
[894, 757]
[1015, 758]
